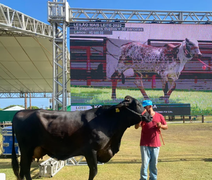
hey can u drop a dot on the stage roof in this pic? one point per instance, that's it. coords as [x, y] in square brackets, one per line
[25, 64]
[26, 53]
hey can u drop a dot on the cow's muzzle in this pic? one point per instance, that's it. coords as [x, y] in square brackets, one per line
[199, 55]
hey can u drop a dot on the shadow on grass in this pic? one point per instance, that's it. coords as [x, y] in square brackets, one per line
[124, 162]
[134, 161]
[208, 160]
[8, 165]
[185, 159]
[5, 165]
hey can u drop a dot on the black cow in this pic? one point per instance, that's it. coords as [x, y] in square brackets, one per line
[95, 134]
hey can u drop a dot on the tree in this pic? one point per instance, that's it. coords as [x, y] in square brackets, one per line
[33, 107]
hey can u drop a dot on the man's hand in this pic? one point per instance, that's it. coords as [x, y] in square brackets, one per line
[164, 127]
[159, 124]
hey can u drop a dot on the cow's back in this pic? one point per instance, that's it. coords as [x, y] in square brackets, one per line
[24, 119]
[26, 126]
[60, 134]
[145, 57]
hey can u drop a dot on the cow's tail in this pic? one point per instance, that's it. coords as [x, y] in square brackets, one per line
[15, 164]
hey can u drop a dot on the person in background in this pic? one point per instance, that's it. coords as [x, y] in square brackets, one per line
[150, 141]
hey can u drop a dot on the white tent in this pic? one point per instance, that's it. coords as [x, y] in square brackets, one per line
[14, 108]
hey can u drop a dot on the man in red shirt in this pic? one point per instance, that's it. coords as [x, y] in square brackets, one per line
[150, 141]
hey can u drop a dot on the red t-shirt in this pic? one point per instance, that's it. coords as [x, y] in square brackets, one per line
[150, 134]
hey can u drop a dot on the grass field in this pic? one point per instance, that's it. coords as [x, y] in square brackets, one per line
[186, 155]
[200, 101]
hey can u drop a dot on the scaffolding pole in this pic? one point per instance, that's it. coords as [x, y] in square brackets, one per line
[58, 17]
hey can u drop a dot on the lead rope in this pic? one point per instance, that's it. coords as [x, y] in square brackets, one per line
[204, 63]
[161, 136]
[143, 112]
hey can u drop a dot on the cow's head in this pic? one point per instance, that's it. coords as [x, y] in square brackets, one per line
[191, 49]
[135, 108]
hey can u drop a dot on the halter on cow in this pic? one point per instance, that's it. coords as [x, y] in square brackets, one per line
[95, 134]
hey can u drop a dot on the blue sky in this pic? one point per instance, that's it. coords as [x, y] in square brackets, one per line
[38, 9]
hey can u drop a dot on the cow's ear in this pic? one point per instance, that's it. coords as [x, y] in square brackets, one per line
[187, 40]
[126, 102]
[172, 46]
[127, 98]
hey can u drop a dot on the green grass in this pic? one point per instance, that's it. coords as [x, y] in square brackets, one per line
[186, 155]
[200, 100]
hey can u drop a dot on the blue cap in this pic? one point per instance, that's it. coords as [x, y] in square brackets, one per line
[147, 103]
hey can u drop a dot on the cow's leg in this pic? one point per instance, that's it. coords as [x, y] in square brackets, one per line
[114, 84]
[139, 83]
[166, 90]
[91, 158]
[25, 164]
[172, 88]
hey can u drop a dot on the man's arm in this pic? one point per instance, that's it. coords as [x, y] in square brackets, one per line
[164, 127]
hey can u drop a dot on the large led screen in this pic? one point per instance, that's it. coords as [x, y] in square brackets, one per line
[167, 63]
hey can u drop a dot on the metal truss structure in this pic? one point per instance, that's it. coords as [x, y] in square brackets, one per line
[58, 16]
[22, 95]
[50, 167]
[15, 22]
[140, 16]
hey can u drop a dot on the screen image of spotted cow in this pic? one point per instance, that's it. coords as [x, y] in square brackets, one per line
[167, 61]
